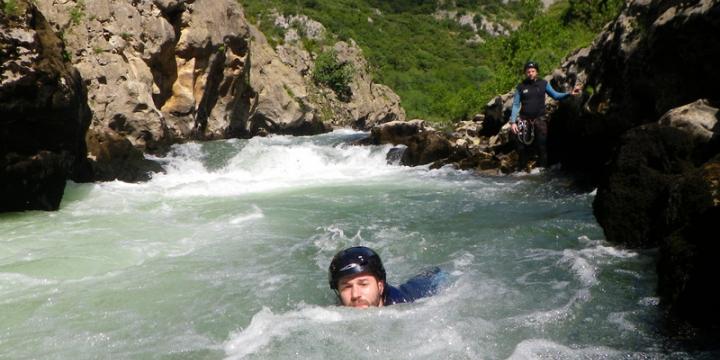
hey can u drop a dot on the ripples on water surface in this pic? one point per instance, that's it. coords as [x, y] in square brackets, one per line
[225, 256]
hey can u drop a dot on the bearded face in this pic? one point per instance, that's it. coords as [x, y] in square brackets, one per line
[361, 290]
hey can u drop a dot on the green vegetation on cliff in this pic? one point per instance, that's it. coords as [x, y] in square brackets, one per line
[333, 74]
[9, 8]
[430, 54]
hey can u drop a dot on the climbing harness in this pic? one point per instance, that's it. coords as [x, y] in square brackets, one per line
[526, 131]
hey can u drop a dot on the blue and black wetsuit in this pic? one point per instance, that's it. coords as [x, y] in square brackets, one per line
[529, 104]
[425, 284]
[529, 99]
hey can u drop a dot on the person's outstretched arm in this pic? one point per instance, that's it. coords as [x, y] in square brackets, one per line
[560, 95]
[554, 94]
[516, 107]
[515, 112]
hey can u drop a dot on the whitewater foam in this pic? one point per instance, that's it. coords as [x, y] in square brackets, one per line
[271, 163]
[371, 331]
[620, 319]
[546, 349]
[254, 215]
[266, 326]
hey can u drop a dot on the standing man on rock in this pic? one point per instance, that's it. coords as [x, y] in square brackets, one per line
[530, 129]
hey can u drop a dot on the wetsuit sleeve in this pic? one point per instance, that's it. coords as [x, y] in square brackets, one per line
[516, 106]
[396, 296]
[554, 94]
[427, 283]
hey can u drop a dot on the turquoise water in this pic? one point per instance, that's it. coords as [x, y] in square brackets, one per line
[226, 255]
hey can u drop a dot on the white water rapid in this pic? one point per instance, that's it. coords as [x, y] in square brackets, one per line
[226, 256]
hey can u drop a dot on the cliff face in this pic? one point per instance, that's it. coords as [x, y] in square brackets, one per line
[159, 72]
[288, 98]
[43, 114]
[166, 71]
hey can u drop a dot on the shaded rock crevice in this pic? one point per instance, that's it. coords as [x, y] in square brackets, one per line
[44, 114]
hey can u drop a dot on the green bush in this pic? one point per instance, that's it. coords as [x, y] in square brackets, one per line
[10, 8]
[336, 75]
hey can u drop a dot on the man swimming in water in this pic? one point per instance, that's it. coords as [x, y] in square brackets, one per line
[358, 278]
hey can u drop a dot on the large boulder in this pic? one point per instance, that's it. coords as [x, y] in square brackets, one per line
[115, 158]
[397, 132]
[699, 120]
[424, 145]
[44, 113]
[371, 103]
[282, 103]
[630, 202]
[425, 148]
[663, 189]
[288, 101]
[657, 181]
[687, 264]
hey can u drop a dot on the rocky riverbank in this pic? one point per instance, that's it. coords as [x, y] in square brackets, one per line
[136, 78]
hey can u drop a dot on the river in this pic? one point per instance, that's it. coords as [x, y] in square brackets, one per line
[226, 256]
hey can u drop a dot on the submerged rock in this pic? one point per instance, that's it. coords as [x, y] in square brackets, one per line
[424, 144]
[115, 158]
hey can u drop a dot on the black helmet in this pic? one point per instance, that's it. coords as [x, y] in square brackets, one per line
[531, 64]
[355, 260]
